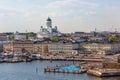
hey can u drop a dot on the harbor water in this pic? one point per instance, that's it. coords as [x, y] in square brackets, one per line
[35, 71]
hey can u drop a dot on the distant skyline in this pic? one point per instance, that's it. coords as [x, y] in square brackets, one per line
[68, 15]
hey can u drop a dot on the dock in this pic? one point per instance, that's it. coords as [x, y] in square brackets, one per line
[104, 72]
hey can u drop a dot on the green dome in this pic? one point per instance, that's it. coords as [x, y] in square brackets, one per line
[49, 19]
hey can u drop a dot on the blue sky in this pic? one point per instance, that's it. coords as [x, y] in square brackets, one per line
[68, 15]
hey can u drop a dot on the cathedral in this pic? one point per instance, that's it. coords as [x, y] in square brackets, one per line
[48, 31]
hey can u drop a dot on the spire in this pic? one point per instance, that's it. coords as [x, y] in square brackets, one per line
[49, 19]
[49, 22]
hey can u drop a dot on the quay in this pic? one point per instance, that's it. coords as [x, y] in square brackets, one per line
[104, 72]
[12, 60]
[107, 69]
[17, 60]
[82, 60]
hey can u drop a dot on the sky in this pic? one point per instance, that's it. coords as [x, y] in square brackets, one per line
[68, 15]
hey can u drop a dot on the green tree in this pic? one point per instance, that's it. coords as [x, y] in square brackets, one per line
[113, 38]
[55, 39]
[30, 35]
[11, 37]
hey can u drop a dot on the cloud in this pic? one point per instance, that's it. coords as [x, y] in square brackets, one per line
[91, 13]
[14, 0]
[72, 3]
[19, 0]
[17, 11]
[58, 14]
[111, 7]
[54, 9]
[10, 11]
[7, 8]
[71, 7]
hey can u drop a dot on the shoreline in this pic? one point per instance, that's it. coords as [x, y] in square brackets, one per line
[29, 60]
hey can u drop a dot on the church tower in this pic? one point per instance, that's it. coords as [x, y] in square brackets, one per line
[49, 22]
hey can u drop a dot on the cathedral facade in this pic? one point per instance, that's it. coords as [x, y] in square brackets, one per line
[48, 31]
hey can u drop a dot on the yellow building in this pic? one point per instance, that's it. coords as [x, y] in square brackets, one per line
[102, 48]
[41, 48]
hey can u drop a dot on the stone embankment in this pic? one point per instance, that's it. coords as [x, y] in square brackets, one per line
[104, 72]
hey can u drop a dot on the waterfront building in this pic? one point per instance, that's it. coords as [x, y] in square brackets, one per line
[102, 48]
[7, 47]
[63, 48]
[41, 47]
[48, 31]
[19, 47]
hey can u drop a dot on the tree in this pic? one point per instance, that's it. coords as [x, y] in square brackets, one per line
[11, 37]
[113, 38]
[55, 39]
[30, 35]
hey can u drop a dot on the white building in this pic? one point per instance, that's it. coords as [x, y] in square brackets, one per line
[49, 31]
